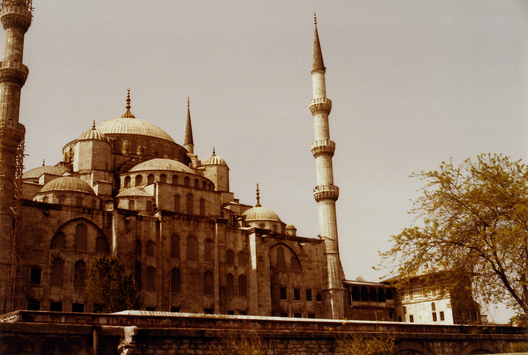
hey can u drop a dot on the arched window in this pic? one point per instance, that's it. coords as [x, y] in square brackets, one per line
[186, 181]
[58, 241]
[373, 295]
[151, 279]
[242, 286]
[355, 293]
[150, 179]
[139, 180]
[149, 206]
[127, 181]
[133, 147]
[281, 265]
[175, 247]
[101, 245]
[295, 265]
[202, 207]
[192, 249]
[138, 248]
[137, 274]
[81, 233]
[381, 295]
[175, 179]
[79, 274]
[204, 185]
[433, 306]
[57, 272]
[230, 285]
[364, 294]
[196, 183]
[175, 281]
[242, 259]
[208, 251]
[190, 207]
[78, 201]
[208, 283]
[163, 178]
[131, 204]
[177, 203]
[151, 248]
[389, 295]
[230, 258]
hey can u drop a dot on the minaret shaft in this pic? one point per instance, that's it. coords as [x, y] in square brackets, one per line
[16, 18]
[326, 193]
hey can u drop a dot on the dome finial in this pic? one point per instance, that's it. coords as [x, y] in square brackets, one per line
[214, 153]
[43, 162]
[258, 196]
[93, 124]
[315, 18]
[128, 114]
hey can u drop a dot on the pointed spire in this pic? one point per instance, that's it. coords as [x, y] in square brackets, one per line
[188, 142]
[258, 197]
[318, 63]
[43, 162]
[128, 114]
[93, 125]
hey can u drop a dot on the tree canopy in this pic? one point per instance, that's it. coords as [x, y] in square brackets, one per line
[471, 222]
[110, 288]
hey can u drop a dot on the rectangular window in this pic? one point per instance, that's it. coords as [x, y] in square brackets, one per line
[56, 306]
[77, 307]
[244, 313]
[175, 309]
[35, 276]
[311, 315]
[411, 318]
[297, 315]
[309, 295]
[284, 314]
[434, 317]
[296, 294]
[33, 305]
[283, 294]
[151, 309]
[231, 313]
[399, 318]
[442, 316]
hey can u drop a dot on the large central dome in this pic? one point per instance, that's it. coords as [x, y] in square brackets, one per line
[119, 126]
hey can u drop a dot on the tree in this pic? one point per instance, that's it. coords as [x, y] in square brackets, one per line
[472, 223]
[110, 288]
[365, 345]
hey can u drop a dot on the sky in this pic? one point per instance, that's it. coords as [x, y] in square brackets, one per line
[413, 83]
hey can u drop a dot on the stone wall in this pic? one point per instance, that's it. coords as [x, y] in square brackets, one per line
[159, 333]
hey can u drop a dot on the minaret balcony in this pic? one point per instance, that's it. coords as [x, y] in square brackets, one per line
[12, 71]
[326, 192]
[18, 16]
[320, 105]
[323, 147]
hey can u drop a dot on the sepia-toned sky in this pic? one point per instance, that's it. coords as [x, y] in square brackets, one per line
[413, 83]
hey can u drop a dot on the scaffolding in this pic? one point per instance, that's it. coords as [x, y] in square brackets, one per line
[11, 273]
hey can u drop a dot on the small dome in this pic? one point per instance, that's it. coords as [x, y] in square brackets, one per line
[130, 191]
[36, 173]
[290, 227]
[92, 134]
[214, 160]
[260, 214]
[162, 164]
[68, 183]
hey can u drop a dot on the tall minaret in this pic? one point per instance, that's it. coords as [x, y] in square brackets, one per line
[326, 193]
[16, 16]
[188, 142]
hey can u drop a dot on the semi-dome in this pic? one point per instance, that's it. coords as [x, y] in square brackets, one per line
[36, 173]
[68, 183]
[259, 213]
[130, 191]
[162, 164]
[214, 160]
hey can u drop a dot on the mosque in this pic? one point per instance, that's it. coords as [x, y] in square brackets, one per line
[127, 189]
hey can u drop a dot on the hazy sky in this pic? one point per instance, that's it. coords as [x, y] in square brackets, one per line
[412, 83]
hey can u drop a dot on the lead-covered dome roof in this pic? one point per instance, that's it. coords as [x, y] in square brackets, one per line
[36, 173]
[162, 164]
[132, 126]
[214, 160]
[68, 183]
[259, 213]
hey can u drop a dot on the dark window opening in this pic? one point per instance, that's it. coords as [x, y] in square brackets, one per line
[78, 307]
[35, 276]
[411, 318]
[318, 298]
[373, 295]
[79, 274]
[297, 315]
[151, 309]
[442, 316]
[283, 294]
[175, 281]
[243, 313]
[311, 315]
[381, 295]
[151, 279]
[434, 317]
[296, 294]
[356, 295]
[192, 249]
[175, 309]
[175, 247]
[309, 295]
[364, 294]
[242, 286]
[209, 310]
[33, 305]
[283, 314]
[208, 283]
[56, 306]
[230, 258]
[231, 313]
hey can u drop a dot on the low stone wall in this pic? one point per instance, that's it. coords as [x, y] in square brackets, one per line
[159, 333]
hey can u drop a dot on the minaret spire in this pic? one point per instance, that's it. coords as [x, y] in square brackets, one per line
[188, 142]
[326, 193]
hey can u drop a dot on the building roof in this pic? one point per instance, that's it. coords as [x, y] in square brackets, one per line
[92, 134]
[133, 126]
[36, 173]
[68, 183]
[260, 214]
[162, 164]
